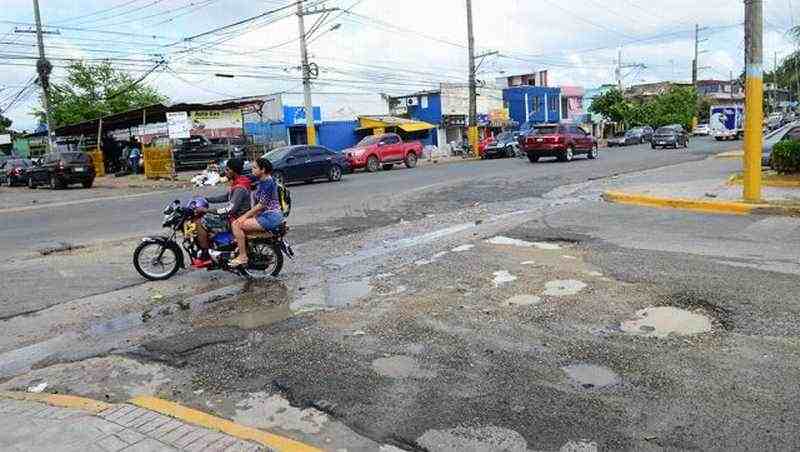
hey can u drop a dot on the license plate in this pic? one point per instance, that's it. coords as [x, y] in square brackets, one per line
[78, 170]
[540, 140]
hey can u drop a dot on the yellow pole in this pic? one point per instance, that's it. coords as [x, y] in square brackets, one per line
[754, 113]
[472, 136]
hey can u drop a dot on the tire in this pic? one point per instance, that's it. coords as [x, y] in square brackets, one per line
[257, 269]
[594, 153]
[88, 183]
[373, 164]
[533, 158]
[653, 146]
[146, 250]
[334, 173]
[567, 155]
[411, 160]
[387, 166]
[279, 178]
[54, 185]
[510, 153]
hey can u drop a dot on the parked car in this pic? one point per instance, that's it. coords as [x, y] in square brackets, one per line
[787, 132]
[505, 144]
[198, 151]
[562, 141]
[618, 139]
[702, 130]
[60, 169]
[14, 171]
[670, 136]
[307, 163]
[383, 151]
[236, 147]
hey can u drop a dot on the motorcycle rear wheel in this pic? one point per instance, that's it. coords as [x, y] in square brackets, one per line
[265, 259]
[149, 257]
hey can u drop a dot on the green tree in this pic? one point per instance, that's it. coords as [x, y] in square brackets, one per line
[676, 106]
[91, 91]
[611, 105]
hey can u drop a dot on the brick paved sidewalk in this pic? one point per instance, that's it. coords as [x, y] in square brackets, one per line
[33, 426]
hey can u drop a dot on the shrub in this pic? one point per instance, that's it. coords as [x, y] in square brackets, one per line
[786, 157]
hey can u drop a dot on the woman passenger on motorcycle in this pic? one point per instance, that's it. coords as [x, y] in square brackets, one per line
[265, 216]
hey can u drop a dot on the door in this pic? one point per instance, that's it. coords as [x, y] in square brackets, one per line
[576, 137]
[42, 171]
[296, 165]
[586, 139]
[392, 149]
[320, 160]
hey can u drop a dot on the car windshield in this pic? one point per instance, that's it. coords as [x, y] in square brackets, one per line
[369, 141]
[632, 132]
[545, 130]
[278, 154]
[505, 136]
[74, 157]
[665, 131]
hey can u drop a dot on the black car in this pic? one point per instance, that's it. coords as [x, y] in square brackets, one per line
[503, 145]
[60, 169]
[198, 152]
[14, 172]
[638, 135]
[670, 136]
[307, 163]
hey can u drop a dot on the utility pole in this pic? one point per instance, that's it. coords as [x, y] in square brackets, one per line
[733, 85]
[754, 92]
[696, 52]
[311, 132]
[43, 68]
[472, 132]
[620, 67]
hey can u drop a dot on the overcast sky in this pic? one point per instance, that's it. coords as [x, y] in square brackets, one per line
[381, 46]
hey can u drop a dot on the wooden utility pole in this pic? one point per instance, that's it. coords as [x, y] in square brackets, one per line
[44, 68]
[311, 132]
[754, 92]
[472, 132]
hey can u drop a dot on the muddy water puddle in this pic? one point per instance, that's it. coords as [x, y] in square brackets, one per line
[666, 321]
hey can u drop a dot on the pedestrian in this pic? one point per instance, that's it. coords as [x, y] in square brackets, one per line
[134, 155]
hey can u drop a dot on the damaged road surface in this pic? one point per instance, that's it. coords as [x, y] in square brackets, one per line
[543, 321]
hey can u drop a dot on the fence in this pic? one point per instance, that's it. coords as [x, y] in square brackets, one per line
[158, 162]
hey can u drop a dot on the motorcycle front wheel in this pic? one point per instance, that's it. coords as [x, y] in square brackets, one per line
[156, 261]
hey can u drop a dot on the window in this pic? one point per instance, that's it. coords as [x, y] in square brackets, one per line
[300, 152]
[572, 129]
[583, 131]
[317, 151]
[536, 107]
[391, 139]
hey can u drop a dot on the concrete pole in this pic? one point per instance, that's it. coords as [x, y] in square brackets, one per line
[43, 81]
[311, 132]
[696, 52]
[619, 69]
[472, 132]
[754, 92]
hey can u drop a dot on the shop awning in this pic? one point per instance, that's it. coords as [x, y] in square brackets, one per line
[387, 122]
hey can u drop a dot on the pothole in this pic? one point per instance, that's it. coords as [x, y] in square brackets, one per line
[590, 376]
[399, 367]
[503, 277]
[524, 300]
[462, 248]
[665, 321]
[475, 439]
[508, 241]
[564, 288]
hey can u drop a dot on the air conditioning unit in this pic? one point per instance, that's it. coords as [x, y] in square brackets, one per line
[412, 102]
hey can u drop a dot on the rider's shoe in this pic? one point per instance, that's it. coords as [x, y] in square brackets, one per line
[201, 263]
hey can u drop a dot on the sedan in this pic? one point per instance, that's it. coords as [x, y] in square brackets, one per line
[15, 172]
[787, 132]
[306, 164]
[702, 130]
[503, 145]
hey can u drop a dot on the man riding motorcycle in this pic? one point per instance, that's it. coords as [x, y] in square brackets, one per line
[212, 222]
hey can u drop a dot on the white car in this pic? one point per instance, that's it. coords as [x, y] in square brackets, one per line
[701, 130]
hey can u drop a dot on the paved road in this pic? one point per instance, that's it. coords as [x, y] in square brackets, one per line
[88, 220]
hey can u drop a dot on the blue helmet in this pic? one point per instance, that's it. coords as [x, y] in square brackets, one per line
[198, 202]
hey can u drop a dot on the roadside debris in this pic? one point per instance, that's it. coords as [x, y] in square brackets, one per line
[38, 388]
[207, 178]
[503, 277]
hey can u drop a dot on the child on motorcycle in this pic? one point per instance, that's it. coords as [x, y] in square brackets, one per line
[265, 216]
[215, 221]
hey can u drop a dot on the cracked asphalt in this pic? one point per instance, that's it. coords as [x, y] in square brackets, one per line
[474, 306]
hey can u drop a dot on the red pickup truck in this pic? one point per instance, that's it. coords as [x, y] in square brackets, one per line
[376, 151]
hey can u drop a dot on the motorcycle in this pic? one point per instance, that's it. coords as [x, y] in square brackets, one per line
[158, 258]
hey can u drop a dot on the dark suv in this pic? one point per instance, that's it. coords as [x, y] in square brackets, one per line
[563, 141]
[60, 169]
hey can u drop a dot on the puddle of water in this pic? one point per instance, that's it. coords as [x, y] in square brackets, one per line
[508, 241]
[342, 294]
[399, 367]
[503, 277]
[462, 248]
[564, 288]
[590, 376]
[524, 300]
[665, 321]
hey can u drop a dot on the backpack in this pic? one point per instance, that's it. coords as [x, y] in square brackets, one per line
[285, 198]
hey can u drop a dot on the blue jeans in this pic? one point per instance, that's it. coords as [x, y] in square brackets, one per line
[270, 221]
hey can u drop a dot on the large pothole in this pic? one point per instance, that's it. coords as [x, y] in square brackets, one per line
[666, 321]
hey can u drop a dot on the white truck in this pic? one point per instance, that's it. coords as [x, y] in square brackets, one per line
[726, 122]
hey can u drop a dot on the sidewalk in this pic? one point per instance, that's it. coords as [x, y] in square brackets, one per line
[706, 186]
[44, 422]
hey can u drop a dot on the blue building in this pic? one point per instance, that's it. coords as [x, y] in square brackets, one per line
[425, 106]
[530, 105]
[336, 135]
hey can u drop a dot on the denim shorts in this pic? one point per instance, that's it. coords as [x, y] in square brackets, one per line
[270, 221]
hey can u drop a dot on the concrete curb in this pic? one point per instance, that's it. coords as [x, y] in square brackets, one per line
[775, 181]
[733, 155]
[696, 205]
[199, 418]
[58, 400]
[171, 409]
